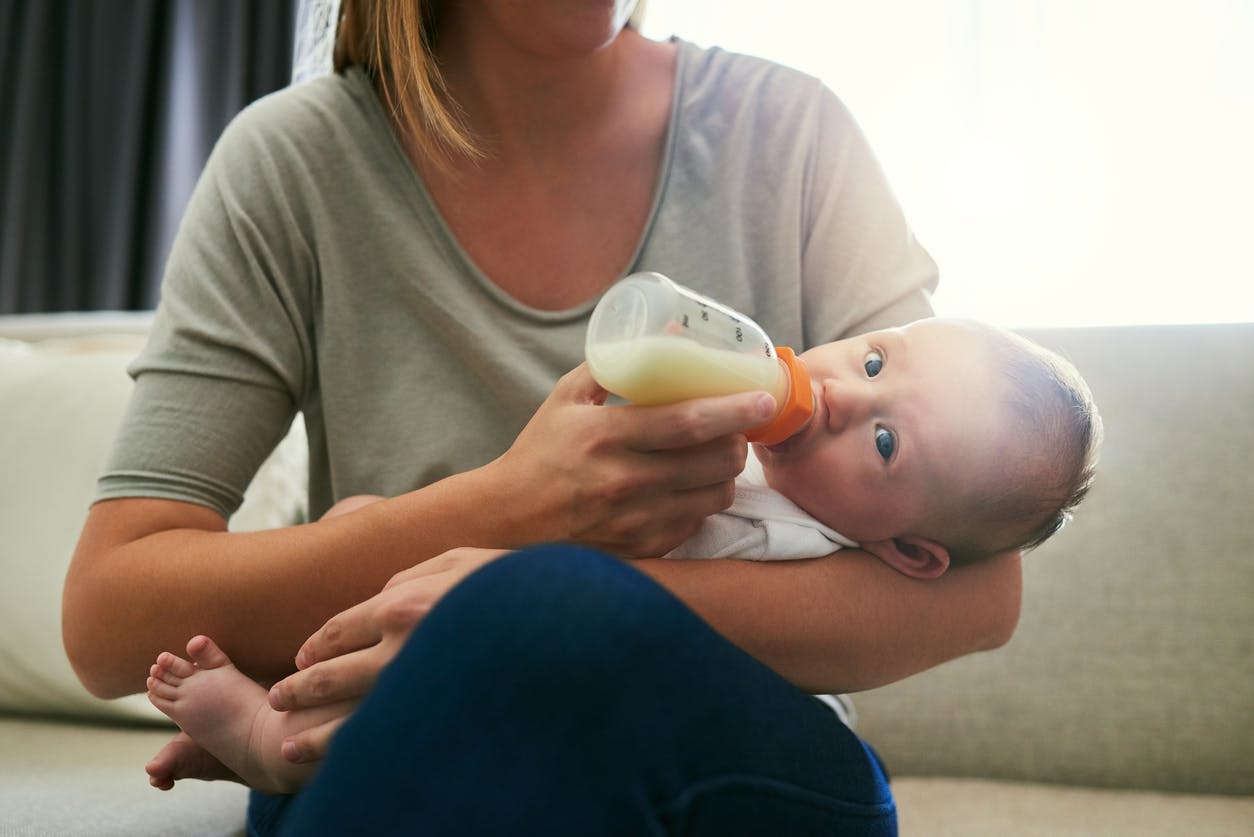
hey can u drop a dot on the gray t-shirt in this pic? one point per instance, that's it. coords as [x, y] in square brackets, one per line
[312, 272]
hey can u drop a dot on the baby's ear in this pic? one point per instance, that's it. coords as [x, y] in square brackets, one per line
[915, 557]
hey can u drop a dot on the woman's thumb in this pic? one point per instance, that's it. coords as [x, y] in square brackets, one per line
[579, 387]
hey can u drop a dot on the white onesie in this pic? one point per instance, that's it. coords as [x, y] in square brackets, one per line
[761, 525]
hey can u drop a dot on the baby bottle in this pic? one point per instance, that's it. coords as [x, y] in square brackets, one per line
[653, 341]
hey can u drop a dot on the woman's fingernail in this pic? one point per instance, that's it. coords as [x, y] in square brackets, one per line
[276, 699]
[764, 407]
[291, 752]
[302, 658]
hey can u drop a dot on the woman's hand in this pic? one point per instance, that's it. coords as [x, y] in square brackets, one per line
[634, 481]
[342, 660]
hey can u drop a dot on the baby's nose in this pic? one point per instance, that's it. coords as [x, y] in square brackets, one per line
[847, 402]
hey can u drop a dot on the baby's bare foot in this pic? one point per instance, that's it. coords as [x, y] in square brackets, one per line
[183, 758]
[224, 712]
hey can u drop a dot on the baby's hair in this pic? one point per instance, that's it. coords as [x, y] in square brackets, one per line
[1040, 485]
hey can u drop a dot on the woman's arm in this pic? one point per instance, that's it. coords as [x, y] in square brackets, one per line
[837, 624]
[149, 574]
[848, 622]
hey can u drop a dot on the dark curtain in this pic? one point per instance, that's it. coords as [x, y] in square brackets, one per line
[108, 111]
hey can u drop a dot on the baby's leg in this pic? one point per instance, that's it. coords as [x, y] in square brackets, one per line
[227, 714]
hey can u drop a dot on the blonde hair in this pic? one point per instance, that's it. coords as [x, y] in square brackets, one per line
[1058, 432]
[394, 44]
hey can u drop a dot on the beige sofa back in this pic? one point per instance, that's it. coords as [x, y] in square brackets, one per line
[1133, 665]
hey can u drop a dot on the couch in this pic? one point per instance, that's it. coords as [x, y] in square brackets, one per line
[1123, 705]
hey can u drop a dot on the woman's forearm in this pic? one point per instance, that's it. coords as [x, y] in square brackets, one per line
[848, 622]
[149, 574]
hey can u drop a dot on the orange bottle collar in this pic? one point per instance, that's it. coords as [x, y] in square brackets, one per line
[797, 407]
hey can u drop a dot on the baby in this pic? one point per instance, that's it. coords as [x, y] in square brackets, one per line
[932, 445]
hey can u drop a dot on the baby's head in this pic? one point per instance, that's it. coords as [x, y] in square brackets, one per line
[940, 443]
[1049, 462]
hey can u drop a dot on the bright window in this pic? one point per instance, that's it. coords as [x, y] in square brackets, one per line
[1065, 161]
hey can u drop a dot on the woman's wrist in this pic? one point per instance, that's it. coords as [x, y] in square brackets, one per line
[484, 507]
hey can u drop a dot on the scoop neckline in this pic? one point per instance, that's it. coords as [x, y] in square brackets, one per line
[426, 208]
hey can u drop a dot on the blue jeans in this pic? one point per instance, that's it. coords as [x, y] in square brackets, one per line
[560, 691]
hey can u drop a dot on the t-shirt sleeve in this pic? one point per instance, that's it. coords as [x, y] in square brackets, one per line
[229, 357]
[862, 267]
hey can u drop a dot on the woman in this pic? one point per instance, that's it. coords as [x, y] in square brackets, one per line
[407, 252]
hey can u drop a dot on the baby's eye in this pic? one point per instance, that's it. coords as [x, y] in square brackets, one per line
[885, 443]
[873, 363]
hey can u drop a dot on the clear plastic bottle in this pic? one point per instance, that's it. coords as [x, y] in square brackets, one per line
[653, 341]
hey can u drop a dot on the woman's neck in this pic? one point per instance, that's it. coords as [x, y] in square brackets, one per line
[573, 145]
[524, 102]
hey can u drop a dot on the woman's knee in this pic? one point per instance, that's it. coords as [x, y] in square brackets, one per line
[557, 596]
[556, 619]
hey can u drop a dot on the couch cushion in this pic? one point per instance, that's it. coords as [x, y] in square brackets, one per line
[973, 808]
[60, 404]
[1133, 664]
[60, 409]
